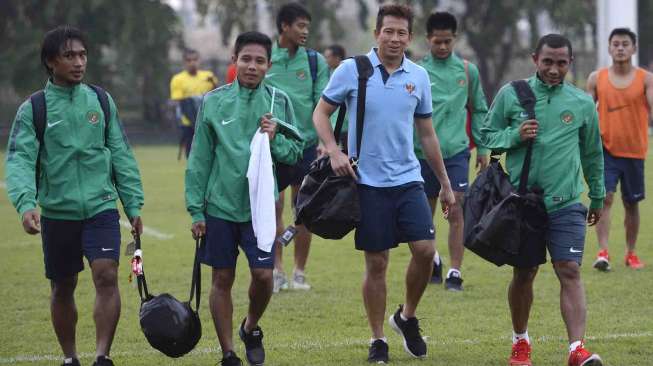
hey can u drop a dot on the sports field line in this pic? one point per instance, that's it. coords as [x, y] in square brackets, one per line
[315, 345]
[146, 229]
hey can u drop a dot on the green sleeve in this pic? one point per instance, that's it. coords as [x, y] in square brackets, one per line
[285, 147]
[20, 164]
[124, 166]
[198, 168]
[322, 79]
[591, 157]
[496, 133]
[479, 108]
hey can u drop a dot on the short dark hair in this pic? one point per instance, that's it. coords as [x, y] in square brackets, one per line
[253, 37]
[441, 20]
[554, 41]
[291, 12]
[54, 41]
[623, 32]
[338, 50]
[399, 11]
[190, 51]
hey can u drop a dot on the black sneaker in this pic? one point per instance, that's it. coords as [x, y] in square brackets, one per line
[454, 282]
[378, 352]
[409, 330]
[436, 276]
[75, 362]
[230, 359]
[253, 344]
[102, 361]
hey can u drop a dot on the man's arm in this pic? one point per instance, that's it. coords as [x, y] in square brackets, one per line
[479, 109]
[431, 148]
[591, 155]
[198, 168]
[125, 169]
[648, 82]
[591, 85]
[286, 149]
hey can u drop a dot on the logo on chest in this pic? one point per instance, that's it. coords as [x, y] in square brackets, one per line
[567, 117]
[462, 82]
[93, 117]
[301, 74]
[410, 88]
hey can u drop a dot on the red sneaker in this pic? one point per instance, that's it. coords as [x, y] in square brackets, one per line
[602, 262]
[633, 261]
[521, 354]
[581, 357]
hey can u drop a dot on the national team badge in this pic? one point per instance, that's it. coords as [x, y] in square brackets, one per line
[567, 117]
[93, 117]
[462, 82]
[410, 87]
[301, 75]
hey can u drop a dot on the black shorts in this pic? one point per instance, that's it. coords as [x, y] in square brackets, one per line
[457, 168]
[292, 175]
[629, 171]
[65, 242]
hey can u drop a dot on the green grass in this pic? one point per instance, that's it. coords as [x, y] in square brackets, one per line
[326, 326]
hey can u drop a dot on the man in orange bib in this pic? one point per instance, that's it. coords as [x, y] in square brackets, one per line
[624, 96]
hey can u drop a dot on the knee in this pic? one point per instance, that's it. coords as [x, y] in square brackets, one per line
[456, 214]
[631, 207]
[106, 279]
[223, 280]
[63, 289]
[424, 252]
[609, 198]
[262, 276]
[567, 271]
[376, 267]
[524, 276]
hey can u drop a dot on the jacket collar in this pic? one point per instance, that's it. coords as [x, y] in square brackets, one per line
[67, 91]
[541, 86]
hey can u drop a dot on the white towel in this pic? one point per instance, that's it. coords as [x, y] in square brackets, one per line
[261, 191]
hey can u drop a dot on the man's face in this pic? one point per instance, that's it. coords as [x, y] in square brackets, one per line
[297, 32]
[621, 48]
[441, 42]
[393, 37]
[332, 60]
[552, 64]
[69, 66]
[192, 62]
[252, 63]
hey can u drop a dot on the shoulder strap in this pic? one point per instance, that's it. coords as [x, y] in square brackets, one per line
[104, 104]
[39, 117]
[527, 100]
[337, 131]
[312, 66]
[365, 71]
[196, 282]
[469, 86]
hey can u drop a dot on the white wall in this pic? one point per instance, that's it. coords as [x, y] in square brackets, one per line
[613, 14]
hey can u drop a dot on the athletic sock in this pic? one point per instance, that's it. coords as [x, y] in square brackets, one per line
[436, 258]
[516, 337]
[298, 272]
[574, 345]
[67, 361]
[384, 339]
[454, 272]
[401, 315]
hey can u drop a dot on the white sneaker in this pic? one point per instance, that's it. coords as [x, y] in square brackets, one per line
[299, 282]
[279, 281]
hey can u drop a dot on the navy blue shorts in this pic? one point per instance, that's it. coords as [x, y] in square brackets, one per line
[65, 242]
[393, 215]
[629, 171]
[220, 247]
[457, 169]
[292, 175]
[567, 233]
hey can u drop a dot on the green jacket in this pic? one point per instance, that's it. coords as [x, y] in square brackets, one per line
[568, 140]
[216, 174]
[449, 94]
[76, 166]
[293, 76]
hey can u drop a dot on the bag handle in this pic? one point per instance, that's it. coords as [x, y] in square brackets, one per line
[196, 282]
[527, 100]
[140, 277]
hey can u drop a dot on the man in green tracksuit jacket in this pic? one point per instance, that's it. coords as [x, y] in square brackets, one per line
[291, 73]
[82, 173]
[566, 142]
[455, 91]
[217, 189]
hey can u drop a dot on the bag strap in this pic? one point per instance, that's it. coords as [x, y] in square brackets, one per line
[140, 279]
[312, 66]
[39, 116]
[103, 98]
[196, 282]
[337, 131]
[469, 104]
[527, 100]
[365, 71]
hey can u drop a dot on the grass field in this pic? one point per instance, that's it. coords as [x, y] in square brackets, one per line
[326, 326]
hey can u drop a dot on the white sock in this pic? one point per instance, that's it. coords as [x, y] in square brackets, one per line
[384, 339]
[517, 336]
[67, 361]
[574, 345]
[401, 315]
[436, 258]
[453, 272]
[298, 272]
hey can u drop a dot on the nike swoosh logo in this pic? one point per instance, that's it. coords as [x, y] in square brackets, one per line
[462, 184]
[572, 250]
[270, 75]
[431, 231]
[263, 259]
[224, 123]
[616, 108]
[54, 123]
[107, 249]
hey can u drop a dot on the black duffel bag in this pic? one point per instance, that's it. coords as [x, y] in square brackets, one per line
[501, 225]
[328, 204]
[171, 326]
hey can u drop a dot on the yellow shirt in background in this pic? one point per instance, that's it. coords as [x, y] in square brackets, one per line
[184, 85]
